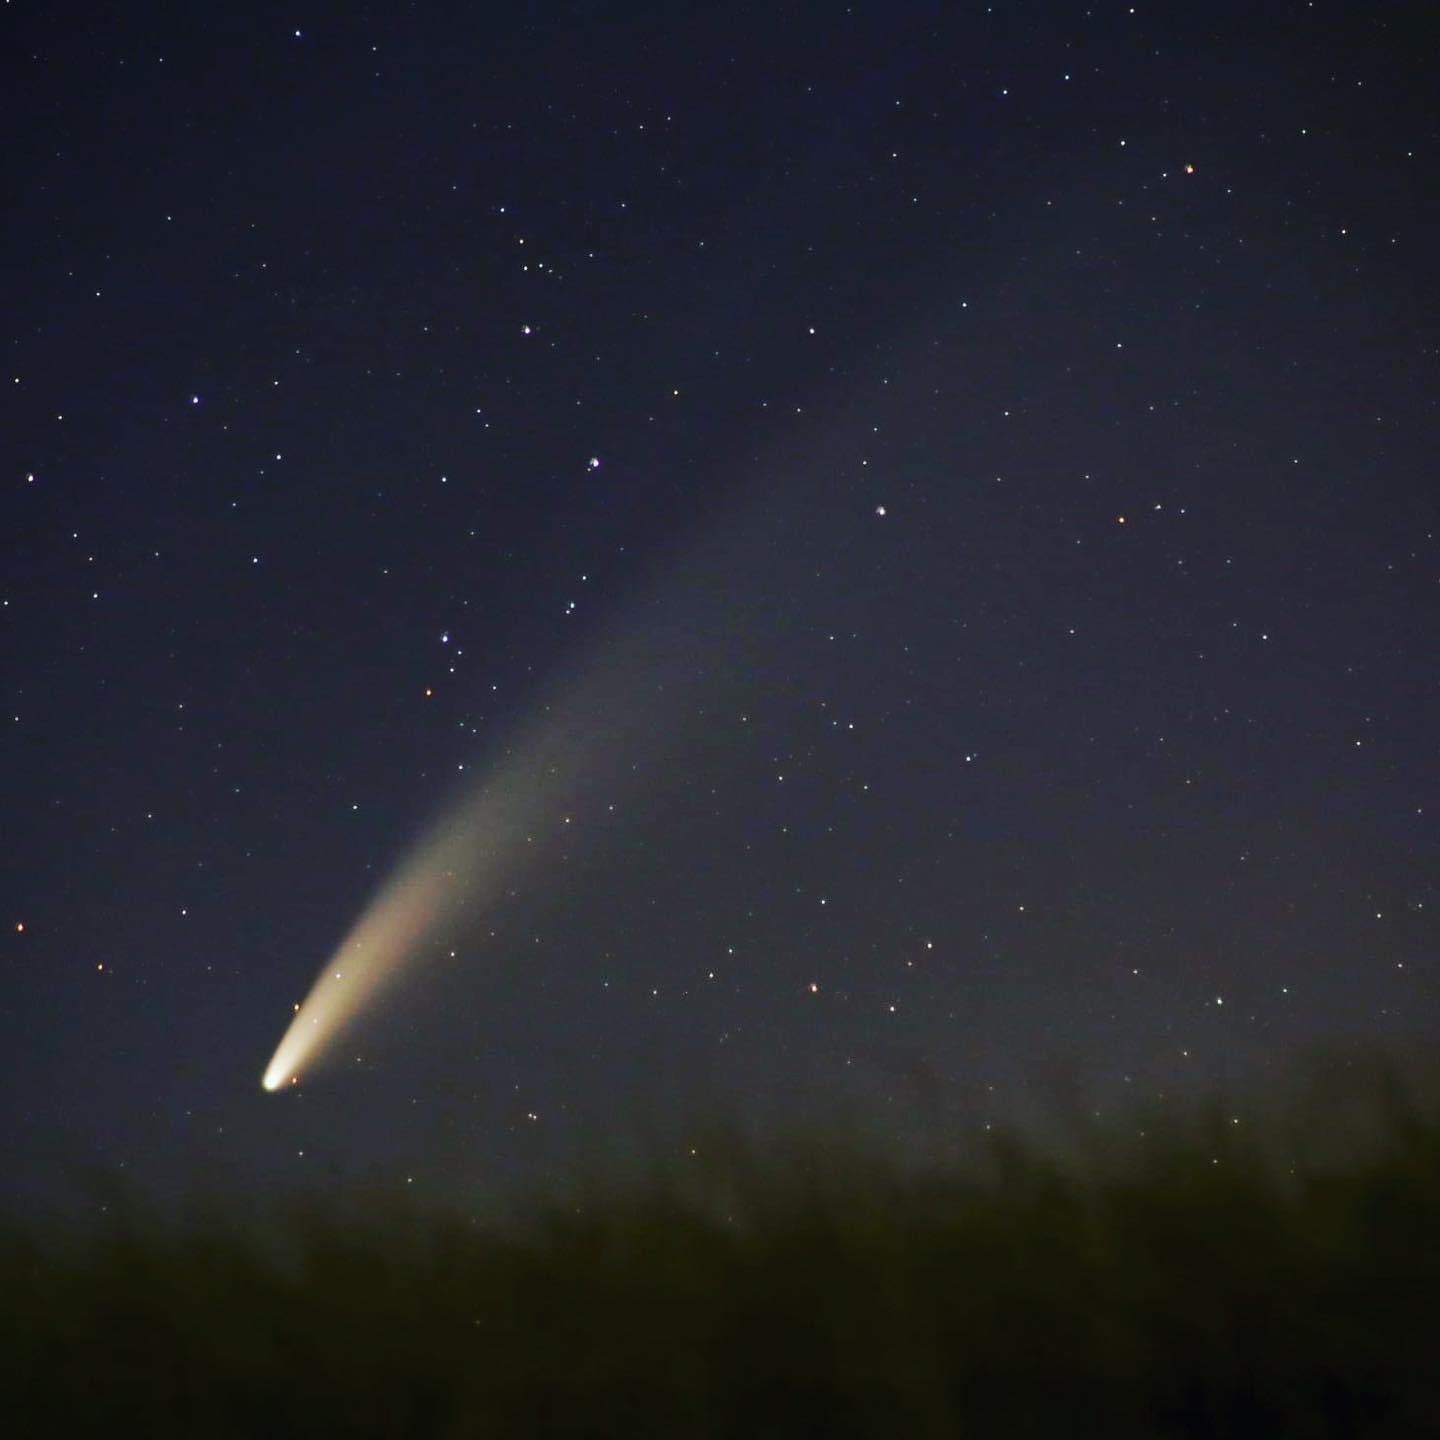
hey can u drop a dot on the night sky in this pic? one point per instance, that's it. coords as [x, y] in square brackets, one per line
[920, 521]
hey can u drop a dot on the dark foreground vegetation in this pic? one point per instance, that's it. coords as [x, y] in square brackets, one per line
[1194, 1283]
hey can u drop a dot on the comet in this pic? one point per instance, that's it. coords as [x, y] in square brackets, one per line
[612, 722]
[460, 863]
[609, 723]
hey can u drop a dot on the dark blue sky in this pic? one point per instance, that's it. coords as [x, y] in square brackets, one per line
[1016, 432]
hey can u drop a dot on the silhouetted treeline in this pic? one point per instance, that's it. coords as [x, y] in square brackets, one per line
[1194, 1281]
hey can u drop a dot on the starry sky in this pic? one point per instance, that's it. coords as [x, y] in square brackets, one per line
[933, 506]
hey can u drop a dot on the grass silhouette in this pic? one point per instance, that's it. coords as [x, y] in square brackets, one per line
[1208, 1279]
